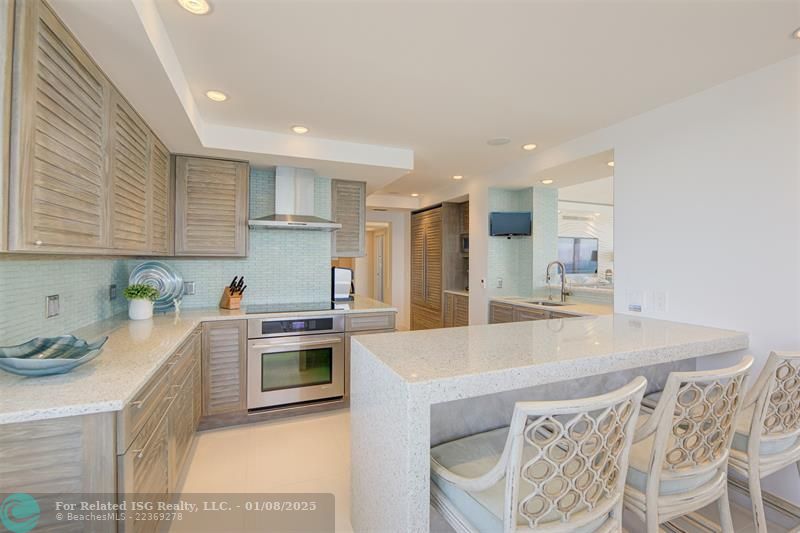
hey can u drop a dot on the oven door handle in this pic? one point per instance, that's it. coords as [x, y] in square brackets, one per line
[301, 344]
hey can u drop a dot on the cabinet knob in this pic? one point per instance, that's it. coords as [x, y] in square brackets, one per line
[38, 243]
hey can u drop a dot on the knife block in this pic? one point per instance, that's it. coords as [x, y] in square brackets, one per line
[230, 301]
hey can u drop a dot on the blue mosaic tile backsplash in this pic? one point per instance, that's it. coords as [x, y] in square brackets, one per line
[283, 266]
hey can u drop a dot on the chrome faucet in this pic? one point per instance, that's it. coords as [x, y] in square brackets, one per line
[564, 291]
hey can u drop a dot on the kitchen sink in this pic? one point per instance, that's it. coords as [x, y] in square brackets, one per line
[546, 303]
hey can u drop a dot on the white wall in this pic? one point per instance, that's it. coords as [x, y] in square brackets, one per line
[401, 261]
[707, 211]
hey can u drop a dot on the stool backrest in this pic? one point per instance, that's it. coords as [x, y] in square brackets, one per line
[776, 395]
[695, 420]
[574, 456]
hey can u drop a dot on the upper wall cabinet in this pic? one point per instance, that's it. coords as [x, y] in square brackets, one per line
[59, 141]
[6, 44]
[349, 208]
[85, 176]
[211, 206]
[130, 178]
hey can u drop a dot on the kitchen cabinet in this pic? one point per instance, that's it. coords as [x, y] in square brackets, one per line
[6, 42]
[224, 366]
[436, 262]
[349, 208]
[85, 176]
[363, 324]
[500, 313]
[59, 142]
[456, 310]
[522, 314]
[211, 207]
[130, 178]
[62, 458]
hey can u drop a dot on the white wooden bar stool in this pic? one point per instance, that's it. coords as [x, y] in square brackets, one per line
[679, 458]
[559, 467]
[767, 435]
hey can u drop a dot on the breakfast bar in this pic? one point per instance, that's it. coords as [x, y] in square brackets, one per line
[412, 390]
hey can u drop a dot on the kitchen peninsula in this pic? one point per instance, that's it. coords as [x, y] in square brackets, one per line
[412, 390]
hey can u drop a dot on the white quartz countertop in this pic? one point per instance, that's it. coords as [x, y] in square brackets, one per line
[571, 308]
[446, 364]
[134, 352]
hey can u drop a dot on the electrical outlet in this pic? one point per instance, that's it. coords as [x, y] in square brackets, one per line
[499, 283]
[188, 288]
[660, 301]
[635, 301]
[112, 291]
[53, 306]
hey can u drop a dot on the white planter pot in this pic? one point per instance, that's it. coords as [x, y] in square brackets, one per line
[140, 309]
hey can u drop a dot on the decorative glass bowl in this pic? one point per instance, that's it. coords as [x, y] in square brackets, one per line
[43, 356]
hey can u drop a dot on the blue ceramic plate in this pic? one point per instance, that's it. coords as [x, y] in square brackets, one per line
[43, 356]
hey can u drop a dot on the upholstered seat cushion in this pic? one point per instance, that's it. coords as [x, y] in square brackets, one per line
[741, 438]
[471, 457]
[639, 468]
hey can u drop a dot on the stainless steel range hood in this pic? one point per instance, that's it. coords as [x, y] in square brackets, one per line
[294, 203]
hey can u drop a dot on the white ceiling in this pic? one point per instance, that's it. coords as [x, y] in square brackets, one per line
[590, 192]
[436, 78]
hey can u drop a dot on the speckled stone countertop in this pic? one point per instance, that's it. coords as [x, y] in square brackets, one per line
[571, 308]
[135, 351]
[476, 360]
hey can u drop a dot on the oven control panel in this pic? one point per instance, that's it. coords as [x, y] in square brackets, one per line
[304, 325]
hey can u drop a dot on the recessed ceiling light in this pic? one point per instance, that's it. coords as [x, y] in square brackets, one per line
[610, 163]
[414, 194]
[458, 177]
[195, 7]
[300, 129]
[547, 182]
[796, 33]
[217, 96]
[498, 141]
[529, 147]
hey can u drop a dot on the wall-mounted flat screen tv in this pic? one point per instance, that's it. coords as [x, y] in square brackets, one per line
[507, 224]
[579, 254]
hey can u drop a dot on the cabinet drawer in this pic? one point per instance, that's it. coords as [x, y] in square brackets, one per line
[522, 314]
[144, 405]
[368, 321]
[181, 362]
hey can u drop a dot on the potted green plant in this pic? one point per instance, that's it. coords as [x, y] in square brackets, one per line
[141, 297]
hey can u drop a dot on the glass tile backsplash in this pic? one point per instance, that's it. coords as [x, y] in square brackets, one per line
[282, 266]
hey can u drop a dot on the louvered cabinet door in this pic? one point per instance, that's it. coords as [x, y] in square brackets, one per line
[349, 208]
[7, 45]
[210, 207]
[417, 259]
[58, 188]
[130, 176]
[433, 260]
[160, 230]
[461, 313]
[224, 353]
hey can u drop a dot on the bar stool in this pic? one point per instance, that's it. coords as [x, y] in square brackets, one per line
[767, 436]
[558, 467]
[679, 458]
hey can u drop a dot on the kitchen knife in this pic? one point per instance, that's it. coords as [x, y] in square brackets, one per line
[240, 285]
[232, 286]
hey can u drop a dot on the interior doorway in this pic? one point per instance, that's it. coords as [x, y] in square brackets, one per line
[372, 273]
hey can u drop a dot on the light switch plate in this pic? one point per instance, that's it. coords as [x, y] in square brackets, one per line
[112, 291]
[53, 306]
[188, 288]
[499, 283]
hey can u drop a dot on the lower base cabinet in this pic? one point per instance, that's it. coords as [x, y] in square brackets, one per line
[456, 310]
[500, 312]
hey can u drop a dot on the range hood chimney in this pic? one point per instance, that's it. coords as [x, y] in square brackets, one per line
[294, 203]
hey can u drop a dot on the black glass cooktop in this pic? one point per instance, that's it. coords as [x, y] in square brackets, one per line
[289, 308]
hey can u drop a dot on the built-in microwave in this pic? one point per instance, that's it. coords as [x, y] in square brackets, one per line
[465, 243]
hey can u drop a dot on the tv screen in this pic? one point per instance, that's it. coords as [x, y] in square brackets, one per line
[579, 254]
[507, 224]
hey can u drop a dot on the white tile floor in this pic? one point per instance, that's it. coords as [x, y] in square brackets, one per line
[307, 454]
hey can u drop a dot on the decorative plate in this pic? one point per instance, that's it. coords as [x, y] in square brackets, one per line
[164, 278]
[43, 356]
